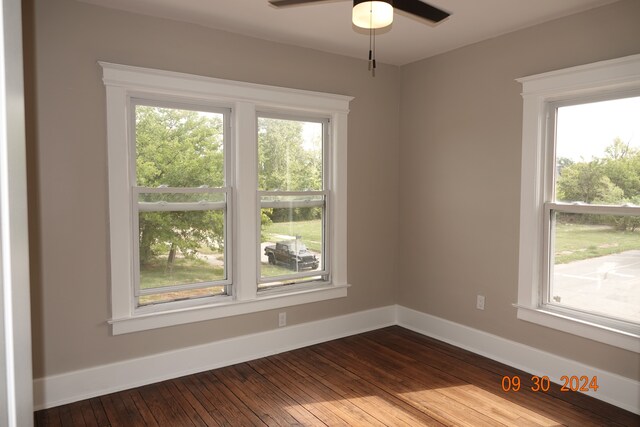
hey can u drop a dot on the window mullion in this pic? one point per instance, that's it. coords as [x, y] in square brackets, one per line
[336, 172]
[180, 207]
[246, 207]
[292, 204]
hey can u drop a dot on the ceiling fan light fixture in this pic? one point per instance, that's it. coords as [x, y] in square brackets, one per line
[372, 14]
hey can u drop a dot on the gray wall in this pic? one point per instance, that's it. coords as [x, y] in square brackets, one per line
[68, 170]
[461, 133]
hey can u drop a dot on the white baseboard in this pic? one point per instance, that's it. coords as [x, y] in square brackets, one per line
[615, 389]
[83, 384]
[86, 383]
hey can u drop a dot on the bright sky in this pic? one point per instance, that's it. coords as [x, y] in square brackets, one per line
[584, 131]
[312, 135]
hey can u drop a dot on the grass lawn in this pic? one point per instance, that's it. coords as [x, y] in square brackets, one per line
[575, 242]
[310, 231]
[156, 274]
[268, 270]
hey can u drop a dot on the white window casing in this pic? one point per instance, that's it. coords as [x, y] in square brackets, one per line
[542, 94]
[124, 84]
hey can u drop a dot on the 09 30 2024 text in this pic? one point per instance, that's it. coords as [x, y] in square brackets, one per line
[581, 383]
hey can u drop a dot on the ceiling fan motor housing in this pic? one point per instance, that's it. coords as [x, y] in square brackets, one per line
[372, 14]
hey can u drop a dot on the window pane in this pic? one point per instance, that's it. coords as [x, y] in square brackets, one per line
[178, 148]
[596, 264]
[289, 155]
[180, 248]
[291, 241]
[598, 152]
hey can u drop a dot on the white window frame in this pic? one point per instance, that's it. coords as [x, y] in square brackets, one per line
[124, 83]
[542, 94]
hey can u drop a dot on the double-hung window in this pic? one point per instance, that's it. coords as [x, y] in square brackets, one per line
[580, 207]
[293, 197]
[225, 197]
[180, 202]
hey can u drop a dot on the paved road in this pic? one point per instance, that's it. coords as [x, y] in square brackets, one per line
[609, 284]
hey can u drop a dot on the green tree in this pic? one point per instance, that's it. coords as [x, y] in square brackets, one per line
[622, 166]
[618, 150]
[178, 148]
[612, 179]
[287, 163]
[586, 182]
[563, 162]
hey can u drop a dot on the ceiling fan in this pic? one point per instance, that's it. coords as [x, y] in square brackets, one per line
[372, 15]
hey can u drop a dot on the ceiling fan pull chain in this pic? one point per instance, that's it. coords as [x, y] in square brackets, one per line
[372, 42]
[373, 69]
[370, 38]
[370, 51]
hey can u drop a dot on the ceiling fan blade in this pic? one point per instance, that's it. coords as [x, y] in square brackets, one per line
[279, 3]
[421, 9]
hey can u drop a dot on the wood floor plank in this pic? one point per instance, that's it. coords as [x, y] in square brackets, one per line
[112, 411]
[487, 380]
[465, 394]
[120, 412]
[422, 395]
[66, 417]
[223, 411]
[183, 405]
[98, 412]
[135, 404]
[274, 396]
[303, 393]
[88, 418]
[386, 407]
[388, 377]
[468, 368]
[577, 399]
[49, 417]
[166, 411]
[346, 409]
[186, 399]
[215, 386]
[39, 418]
[268, 406]
[345, 399]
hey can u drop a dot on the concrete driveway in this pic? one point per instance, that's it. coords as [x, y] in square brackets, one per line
[609, 284]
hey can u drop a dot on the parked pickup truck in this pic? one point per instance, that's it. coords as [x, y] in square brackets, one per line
[294, 254]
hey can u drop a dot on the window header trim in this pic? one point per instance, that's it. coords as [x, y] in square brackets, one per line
[204, 88]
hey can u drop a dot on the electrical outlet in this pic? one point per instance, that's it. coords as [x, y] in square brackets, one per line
[282, 319]
[480, 302]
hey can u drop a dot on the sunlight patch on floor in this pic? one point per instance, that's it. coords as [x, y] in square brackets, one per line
[492, 405]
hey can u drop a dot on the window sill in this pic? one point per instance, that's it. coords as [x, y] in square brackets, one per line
[143, 322]
[563, 322]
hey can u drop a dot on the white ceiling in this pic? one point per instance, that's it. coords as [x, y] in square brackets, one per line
[326, 26]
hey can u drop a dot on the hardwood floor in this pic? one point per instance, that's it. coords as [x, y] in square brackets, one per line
[388, 377]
